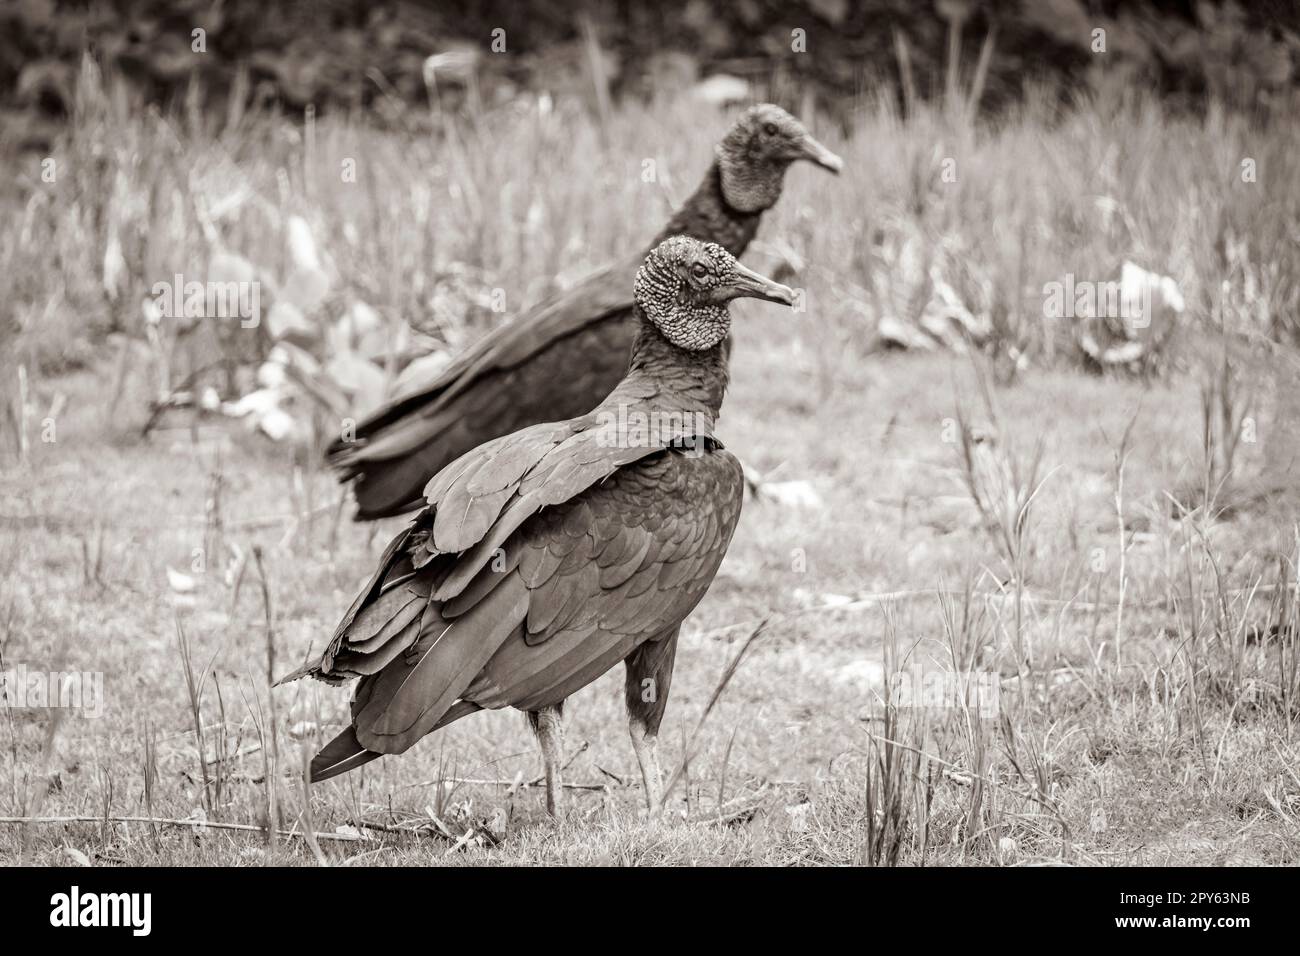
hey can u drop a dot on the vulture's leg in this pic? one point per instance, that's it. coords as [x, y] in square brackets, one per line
[649, 677]
[548, 725]
[646, 745]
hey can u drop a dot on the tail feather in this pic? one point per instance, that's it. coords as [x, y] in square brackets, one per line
[340, 755]
[462, 708]
[406, 699]
[395, 486]
[307, 670]
[345, 753]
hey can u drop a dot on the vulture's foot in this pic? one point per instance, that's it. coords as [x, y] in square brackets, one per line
[548, 724]
[646, 746]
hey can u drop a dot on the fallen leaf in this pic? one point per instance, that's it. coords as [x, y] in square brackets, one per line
[271, 375]
[306, 289]
[76, 856]
[228, 267]
[286, 318]
[302, 244]
[277, 424]
[179, 582]
[361, 379]
[793, 494]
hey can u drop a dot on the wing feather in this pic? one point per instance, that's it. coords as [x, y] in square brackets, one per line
[410, 696]
[587, 578]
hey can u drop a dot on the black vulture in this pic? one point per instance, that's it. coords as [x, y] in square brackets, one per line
[545, 557]
[562, 357]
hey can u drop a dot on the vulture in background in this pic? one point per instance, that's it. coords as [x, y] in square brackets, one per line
[545, 557]
[562, 357]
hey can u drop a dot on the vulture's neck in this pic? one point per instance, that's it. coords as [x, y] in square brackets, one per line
[707, 216]
[665, 378]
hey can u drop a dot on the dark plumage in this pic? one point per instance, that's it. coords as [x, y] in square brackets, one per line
[561, 358]
[547, 556]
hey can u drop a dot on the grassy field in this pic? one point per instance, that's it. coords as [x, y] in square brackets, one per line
[1097, 550]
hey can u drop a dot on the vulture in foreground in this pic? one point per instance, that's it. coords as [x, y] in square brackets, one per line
[561, 358]
[545, 557]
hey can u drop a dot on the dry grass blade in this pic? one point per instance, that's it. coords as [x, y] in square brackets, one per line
[159, 821]
[688, 751]
[272, 723]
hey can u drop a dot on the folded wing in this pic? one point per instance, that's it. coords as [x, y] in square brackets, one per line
[541, 562]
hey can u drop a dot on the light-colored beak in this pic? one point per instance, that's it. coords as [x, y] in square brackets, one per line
[815, 152]
[748, 284]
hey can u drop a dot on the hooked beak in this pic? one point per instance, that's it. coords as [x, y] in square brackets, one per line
[815, 152]
[749, 284]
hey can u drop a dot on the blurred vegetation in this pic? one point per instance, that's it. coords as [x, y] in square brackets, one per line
[155, 160]
[386, 55]
[432, 225]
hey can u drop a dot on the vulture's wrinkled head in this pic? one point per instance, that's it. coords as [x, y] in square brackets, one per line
[756, 152]
[684, 285]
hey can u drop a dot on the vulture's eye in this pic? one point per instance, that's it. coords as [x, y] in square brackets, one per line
[699, 270]
[769, 129]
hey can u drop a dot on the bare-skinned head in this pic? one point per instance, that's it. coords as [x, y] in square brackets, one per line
[756, 152]
[684, 287]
